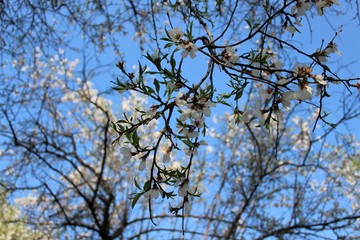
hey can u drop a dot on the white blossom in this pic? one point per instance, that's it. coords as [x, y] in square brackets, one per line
[152, 194]
[179, 99]
[189, 48]
[332, 48]
[305, 92]
[189, 113]
[320, 79]
[170, 86]
[321, 55]
[151, 113]
[187, 130]
[198, 122]
[265, 94]
[238, 117]
[187, 207]
[184, 188]
[230, 56]
[300, 7]
[322, 4]
[142, 165]
[283, 81]
[166, 157]
[286, 97]
[155, 54]
[126, 153]
[202, 106]
[176, 35]
[291, 29]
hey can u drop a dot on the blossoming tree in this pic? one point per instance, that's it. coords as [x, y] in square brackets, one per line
[275, 84]
[176, 162]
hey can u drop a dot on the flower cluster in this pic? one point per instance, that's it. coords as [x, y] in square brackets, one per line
[265, 62]
[195, 110]
[301, 7]
[321, 5]
[322, 55]
[177, 37]
[230, 56]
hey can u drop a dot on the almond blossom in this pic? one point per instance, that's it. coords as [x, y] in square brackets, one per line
[184, 188]
[301, 7]
[239, 116]
[166, 157]
[265, 94]
[151, 113]
[188, 130]
[305, 91]
[126, 153]
[321, 55]
[291, 29]
[152, 194]
[187, 205]
[286, 97]
[179, 99]
[176, 35]
[189, 113]
[230, 56]
[142, 165]
[322, 4]
[202, 106]
[189, 48]
[332, 48]
[320, 79]
[198, 122]
[194, 150]
[319, 89]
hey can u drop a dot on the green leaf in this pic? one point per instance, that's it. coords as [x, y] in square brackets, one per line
[134, 139]
[173, 62]
[135, 199]
[188, 142]
[157, 85]
[116, 140]
[225, 96]
[147, 186]
[121, 121]
[168, 73]
[136, 184]
[239, 94]
[223, 102]
[149, 90]
[248, 23]
[168, 45]
[166, 39]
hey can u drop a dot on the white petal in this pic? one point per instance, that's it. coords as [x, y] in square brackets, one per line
[166, 158]
[184, 54]
[187, 207]
[142, 165]
[320, 79]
